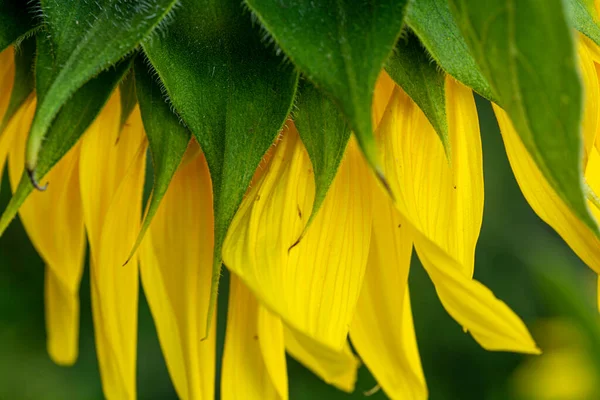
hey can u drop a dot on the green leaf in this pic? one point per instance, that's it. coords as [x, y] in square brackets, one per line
[16, 20]
[584, 17]
[325, 134]
[341, 46]
[525, 50]
[128, 96]
[434, 24]
[168, 139]
[232, 92]
[71, 122]
[411, 68]
[84, 38]
[24, 79]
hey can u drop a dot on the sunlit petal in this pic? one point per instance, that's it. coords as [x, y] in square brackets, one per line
[53, 220]
[254, 356]
[176, 259]
[312, 284]
[382, 331]
[112, 166]
[442, 201]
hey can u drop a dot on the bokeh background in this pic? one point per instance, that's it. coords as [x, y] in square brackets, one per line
[521, 259]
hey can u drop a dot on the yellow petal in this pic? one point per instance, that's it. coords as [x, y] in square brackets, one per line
[272, 341]
[544, 200]
[254, 356]
[335, 367]
[443, 205]
[314, 285]
[111, 178]
[18, 126]
[382, 331]
[7, 77]
[176, 259]
[383, 91]
[53, 220]
[592, 97]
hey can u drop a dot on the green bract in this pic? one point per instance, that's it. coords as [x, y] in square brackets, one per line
[340, 45]
[532, 70]
[325, 135]
[411, 68]
[82, 38]
[72, 121]
[231, 90]
[167, 137]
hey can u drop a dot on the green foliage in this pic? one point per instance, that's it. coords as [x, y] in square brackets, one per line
[525, 50]
[583, 16]
[434, 24]
[82, 38]
[341, 46]
[128, 96]
[24, 80]
[167, 137]
[410, 67]
[72, 121]
[325, 134]
[16, 21]
[232, 92]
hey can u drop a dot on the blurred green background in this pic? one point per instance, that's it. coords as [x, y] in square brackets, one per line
[520, 258]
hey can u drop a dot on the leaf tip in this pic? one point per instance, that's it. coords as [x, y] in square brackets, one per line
[34, 182]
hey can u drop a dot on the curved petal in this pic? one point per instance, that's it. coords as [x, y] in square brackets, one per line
[544, 201]
[254, 354]
[382, 331]
[335, 367]
[53, 220]
[7, 77]
[381, 97]
[111, 171]
[18, 126]
[442, 202]
[175, 266]
[313, 283]
[592, 97]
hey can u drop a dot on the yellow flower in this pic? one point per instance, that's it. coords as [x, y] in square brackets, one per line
[349, 271]
[538, 192]
[346, 278]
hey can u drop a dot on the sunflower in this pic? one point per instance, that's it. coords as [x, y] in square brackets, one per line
[318, 235]
[295, 287]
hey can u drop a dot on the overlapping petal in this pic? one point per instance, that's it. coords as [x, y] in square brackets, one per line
[112, 165]
[254, 365]
[382, 331]
[312, 284]
[335, 367]
[442, 201]
[53, 220]
[176, 259]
